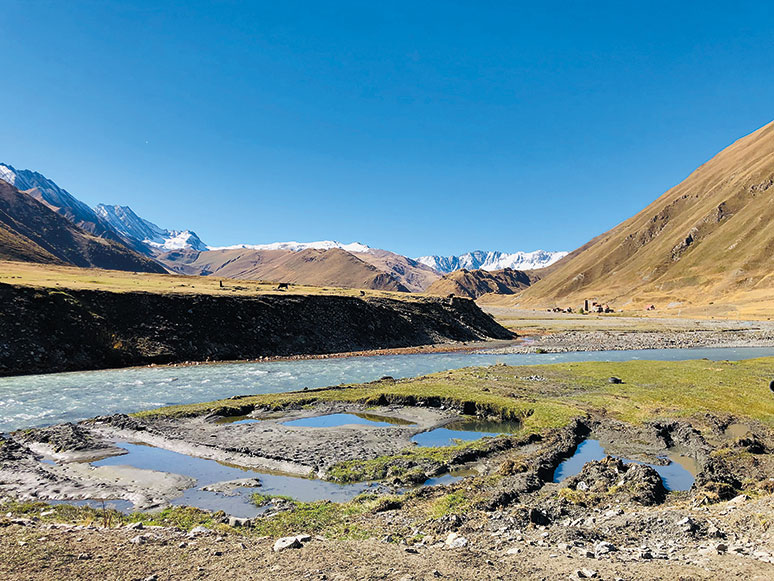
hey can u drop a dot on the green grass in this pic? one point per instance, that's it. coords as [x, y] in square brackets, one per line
[650, 388]
[455, 503]
[331, 519]
[184, 518]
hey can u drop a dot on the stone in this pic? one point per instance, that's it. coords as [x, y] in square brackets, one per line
[455, 541]
[603, 548]
[236, 522]
[304, 538]
[200, 530]
[286, 543]
[135, 526]
[138, 540]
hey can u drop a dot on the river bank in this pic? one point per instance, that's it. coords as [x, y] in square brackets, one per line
[506, 516]
[45, 330]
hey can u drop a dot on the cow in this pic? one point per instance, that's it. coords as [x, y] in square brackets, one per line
[283, 286]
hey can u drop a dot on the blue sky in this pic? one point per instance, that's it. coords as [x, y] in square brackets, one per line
[421, 127]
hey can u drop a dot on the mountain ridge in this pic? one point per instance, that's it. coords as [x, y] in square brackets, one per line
[492, 260]
[705, 243]
[30, 231]
[474, 284]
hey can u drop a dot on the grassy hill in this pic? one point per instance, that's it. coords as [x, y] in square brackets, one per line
[704, 247]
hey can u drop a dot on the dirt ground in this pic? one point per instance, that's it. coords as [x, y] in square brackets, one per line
[493, 551]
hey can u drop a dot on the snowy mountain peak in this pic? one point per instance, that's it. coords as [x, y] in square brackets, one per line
[125, 221]
[299, 246]
[47, 192]
[492, 260]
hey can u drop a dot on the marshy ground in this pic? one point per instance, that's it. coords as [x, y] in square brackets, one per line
[506, 519]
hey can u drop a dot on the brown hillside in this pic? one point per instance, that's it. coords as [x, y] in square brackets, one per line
[476, 283]
[414, 275]
[707, 241]
[31, 232]
[333, 267]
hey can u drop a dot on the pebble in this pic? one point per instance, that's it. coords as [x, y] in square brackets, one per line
[455, 541]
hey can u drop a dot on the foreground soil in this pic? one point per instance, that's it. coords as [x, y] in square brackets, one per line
[494, 550]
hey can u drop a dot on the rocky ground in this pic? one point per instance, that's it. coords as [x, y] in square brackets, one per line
[613, 340]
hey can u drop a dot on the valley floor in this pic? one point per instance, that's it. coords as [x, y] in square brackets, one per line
[565, 332]
[507, 520]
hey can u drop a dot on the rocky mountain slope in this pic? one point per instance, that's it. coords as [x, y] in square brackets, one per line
[476, 283]
[30, 231]
[146, 233]
[374, 269]
[57, 199]
[705, 243]
[493, 260]
[333, 267]
[45, 330]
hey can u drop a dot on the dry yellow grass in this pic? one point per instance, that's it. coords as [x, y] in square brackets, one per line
[67, 277]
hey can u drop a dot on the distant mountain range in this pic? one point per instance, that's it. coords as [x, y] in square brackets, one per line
[493, 260]
[325, 262]
[130, 225]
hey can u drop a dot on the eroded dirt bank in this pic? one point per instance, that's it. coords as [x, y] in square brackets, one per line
[45, 330]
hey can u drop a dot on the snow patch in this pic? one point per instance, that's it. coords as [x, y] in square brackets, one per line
[299, 246]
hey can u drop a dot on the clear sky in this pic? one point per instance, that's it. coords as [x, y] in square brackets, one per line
[420, 127]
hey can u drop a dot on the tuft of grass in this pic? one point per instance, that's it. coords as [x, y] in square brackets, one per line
[455, 503]
[332, 519]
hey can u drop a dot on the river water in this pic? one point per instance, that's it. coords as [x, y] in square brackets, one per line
[38, 400]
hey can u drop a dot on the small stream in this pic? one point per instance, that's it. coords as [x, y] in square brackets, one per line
[39, 400]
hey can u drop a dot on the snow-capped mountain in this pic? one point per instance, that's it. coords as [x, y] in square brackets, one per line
[130, 225]
[58, 199]
[494, 260]
[299, 246]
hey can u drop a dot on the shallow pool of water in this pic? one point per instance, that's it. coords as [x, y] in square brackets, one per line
[675, 475]
[37, 400]
[108, 504]
[464, 430]
[207, 472]
[343, 419]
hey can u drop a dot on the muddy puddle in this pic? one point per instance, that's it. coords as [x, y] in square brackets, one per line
[108, 504]
[345, 419]
[466, 430]
[678, 474]
[234, 499]
[227, 487]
